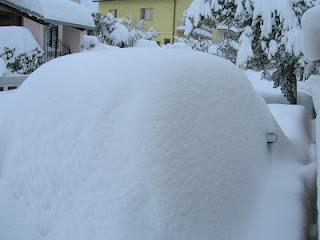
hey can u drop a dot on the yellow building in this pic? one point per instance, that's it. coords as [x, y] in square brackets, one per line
[163, 15]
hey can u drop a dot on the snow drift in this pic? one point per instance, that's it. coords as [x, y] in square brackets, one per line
[311, 34]
[18, 38]
[170, 148]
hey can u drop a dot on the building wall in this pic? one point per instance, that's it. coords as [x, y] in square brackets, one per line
[36, 29]
[163, 14]
[73, 38]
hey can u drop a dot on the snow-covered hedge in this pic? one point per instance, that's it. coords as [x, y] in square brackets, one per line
[19, 51]
[174, 147]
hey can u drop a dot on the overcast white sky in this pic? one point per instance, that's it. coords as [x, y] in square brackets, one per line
[93, 7]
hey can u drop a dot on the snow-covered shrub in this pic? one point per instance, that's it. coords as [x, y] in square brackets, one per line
[23, 63]
[198, 44]
[19, 50]
[90, 42]
[120, 32]
[270, 33]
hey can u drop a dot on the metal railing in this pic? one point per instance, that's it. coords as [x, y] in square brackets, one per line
[55, 49]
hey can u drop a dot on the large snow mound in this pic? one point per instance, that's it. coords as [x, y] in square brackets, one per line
[311, 34]
[171, 148]
[18, 38]
[65, 11]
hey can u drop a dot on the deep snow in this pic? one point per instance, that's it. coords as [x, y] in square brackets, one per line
[311, 34]
[18, 38]
[160, 150]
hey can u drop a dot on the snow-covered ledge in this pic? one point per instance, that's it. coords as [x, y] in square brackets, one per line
[11, 82]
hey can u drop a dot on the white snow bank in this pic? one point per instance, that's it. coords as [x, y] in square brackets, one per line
[65, 11]
[286, 208]
[311, 33]
[151, 152]
[18, 38]
[296, 124]
[177, 45]
[265, 88]
[146, 43]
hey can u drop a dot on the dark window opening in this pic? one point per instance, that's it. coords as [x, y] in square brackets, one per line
[166, 41]
[1, 89]
[12, 87]
[10, 19]
[146, 14]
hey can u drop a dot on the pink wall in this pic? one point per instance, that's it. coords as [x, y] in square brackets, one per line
[73, 38]
[36, 29]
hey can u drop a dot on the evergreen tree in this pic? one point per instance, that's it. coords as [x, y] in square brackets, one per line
[269, 29]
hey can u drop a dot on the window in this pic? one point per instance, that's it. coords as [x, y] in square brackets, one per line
[12, 87]
[166, 41]
[1, 89]
[146, 14]
[10, 19]
[52, 36]
[114, 12]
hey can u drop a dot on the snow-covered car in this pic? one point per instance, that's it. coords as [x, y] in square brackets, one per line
[132, 144]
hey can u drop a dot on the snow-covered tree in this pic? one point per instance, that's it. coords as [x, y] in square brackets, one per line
[120, 32]
[270, 35]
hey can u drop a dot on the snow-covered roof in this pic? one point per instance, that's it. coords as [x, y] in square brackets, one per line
[65, 12]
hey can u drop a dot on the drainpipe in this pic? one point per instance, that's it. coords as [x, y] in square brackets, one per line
[174, 19]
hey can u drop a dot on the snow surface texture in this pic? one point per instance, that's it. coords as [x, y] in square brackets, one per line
[312, 86]
[146, 43]
[311, 34]
[162, 150]
[288, 203]
[265, 88]
[18, 38]
[58, 10]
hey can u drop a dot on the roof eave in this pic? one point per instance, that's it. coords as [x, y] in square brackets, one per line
[41, 18]
[79, 26]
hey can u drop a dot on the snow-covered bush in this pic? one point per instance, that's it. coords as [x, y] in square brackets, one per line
[24, 63]
[198, 44]
[270, 35]
[90, 42]
[120, 32]
[19, 50]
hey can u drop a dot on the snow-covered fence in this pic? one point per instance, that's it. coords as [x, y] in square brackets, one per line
[11, 82]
